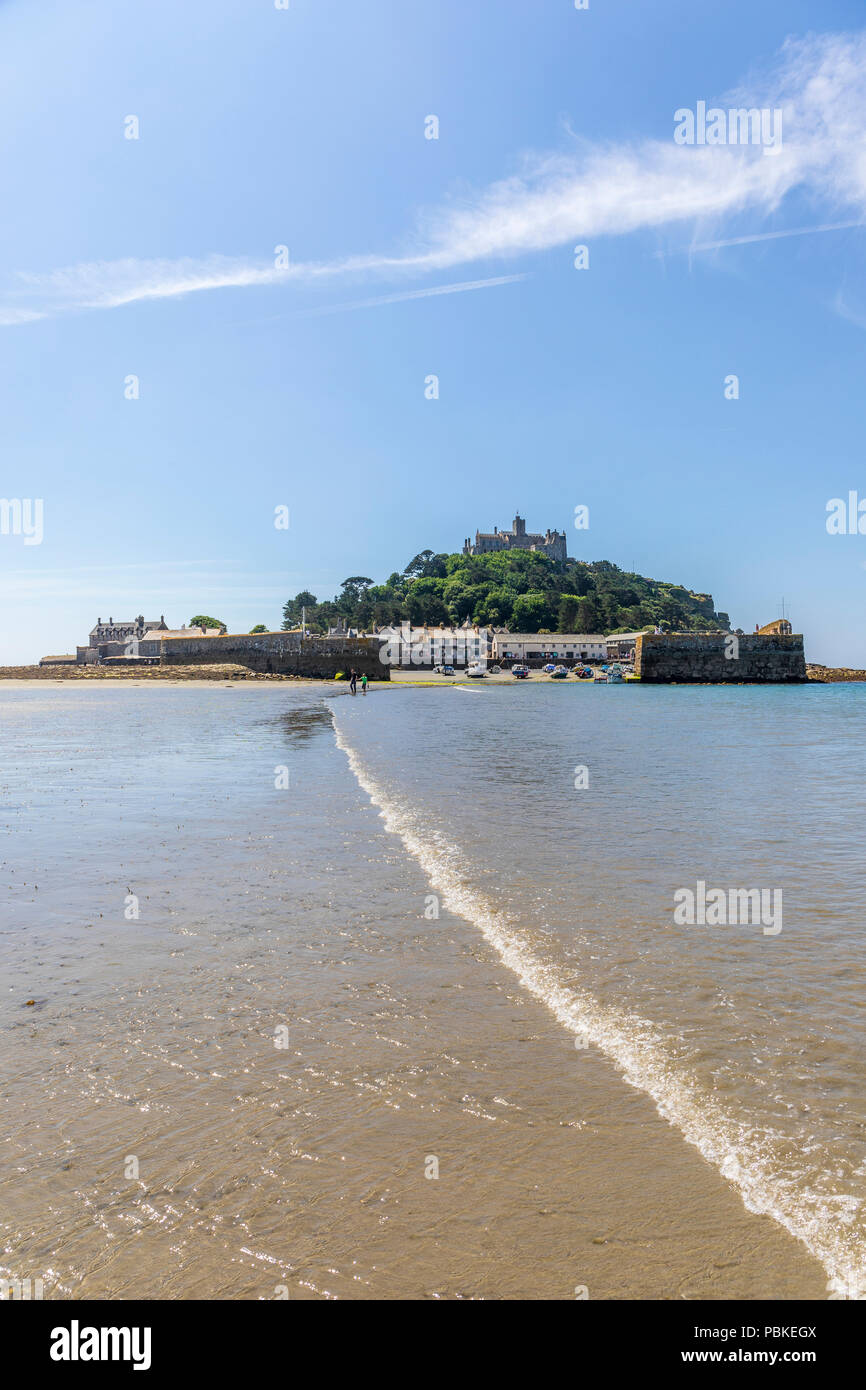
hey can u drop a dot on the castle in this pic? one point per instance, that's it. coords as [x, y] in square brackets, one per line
[552, 543]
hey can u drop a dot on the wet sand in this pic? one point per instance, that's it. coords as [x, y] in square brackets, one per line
[262, 1168]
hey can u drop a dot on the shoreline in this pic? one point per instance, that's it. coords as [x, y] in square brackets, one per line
[204, 675]
[233, 675]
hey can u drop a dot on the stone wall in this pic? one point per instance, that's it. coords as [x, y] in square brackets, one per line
[285, 653]
[672, 657]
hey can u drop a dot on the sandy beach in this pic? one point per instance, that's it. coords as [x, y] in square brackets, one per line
[303, 1159]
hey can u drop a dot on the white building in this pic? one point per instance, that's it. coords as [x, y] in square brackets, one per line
[548, 646]
[434, 646]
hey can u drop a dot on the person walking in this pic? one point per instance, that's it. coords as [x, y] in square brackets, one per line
[363, 685]
[353, 681]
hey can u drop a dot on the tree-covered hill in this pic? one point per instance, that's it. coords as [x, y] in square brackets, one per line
[520, 589]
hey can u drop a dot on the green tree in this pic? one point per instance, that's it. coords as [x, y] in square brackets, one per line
[587, 617]
[530, 612]
[569, 607]
[325, 615]
[352, 590]
[293, 607]
[496, 608]
[201, 621]
[523, 589]
[417, 567]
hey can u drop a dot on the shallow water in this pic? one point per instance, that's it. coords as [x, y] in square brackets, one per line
[390, 961]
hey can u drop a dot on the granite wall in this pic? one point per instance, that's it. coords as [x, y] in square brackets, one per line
[284, 653]
[718, 657]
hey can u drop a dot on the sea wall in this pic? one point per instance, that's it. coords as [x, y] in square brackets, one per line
[284, 653]
[718, 657]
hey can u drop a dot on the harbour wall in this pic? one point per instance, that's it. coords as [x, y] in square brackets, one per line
[671, 658]
[282, 653]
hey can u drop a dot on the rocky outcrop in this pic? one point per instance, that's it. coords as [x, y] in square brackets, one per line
[833, 674]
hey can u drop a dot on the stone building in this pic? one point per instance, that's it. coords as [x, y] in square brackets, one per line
[113, 638]
[135, 638]
[552, 543]
[121, 631]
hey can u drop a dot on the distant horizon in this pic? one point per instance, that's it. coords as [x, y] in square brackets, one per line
[388, 284]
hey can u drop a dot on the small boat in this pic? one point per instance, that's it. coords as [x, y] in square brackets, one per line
[600, 678]
[521, 672]
[559, 673]
[549, 668]
[476, 670]
[614, 674]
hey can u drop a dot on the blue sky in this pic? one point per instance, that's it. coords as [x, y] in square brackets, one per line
[304, 387]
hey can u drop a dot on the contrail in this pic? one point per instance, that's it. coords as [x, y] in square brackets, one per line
[770, 236]
[458, 288]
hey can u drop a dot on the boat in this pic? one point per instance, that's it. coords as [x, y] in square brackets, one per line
[614, 674]
[476, 670]
[558, 674]
[521, 672]
[600, 678]
[549, 668]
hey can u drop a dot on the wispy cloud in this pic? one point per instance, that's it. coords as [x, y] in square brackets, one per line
[846, 311]
[167, 582]
[591, 190]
